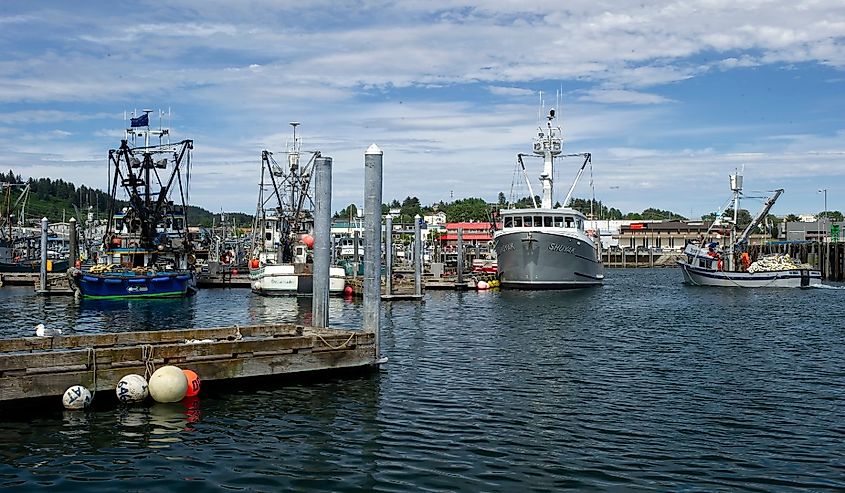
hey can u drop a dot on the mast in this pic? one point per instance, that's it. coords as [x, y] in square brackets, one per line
[548, 145]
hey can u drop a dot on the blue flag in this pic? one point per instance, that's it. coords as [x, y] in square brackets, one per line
[141, 121]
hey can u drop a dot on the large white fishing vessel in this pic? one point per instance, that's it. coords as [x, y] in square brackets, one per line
[544, 247]
[281, 262]
[707, 263]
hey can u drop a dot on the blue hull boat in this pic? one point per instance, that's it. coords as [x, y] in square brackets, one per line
[120, 285]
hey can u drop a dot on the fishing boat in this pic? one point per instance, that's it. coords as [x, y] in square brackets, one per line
[20, 247]
[146, 252]
[281, 262]
[546, 247]
[707, 263]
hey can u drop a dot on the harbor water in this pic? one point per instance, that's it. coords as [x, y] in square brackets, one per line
[643, 384]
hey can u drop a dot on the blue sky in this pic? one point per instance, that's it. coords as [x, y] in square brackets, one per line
[670, 97]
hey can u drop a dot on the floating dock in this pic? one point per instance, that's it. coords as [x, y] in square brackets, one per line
[223, 280]
[39, 367]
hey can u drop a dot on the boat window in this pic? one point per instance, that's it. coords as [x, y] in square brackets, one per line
[538, 221]
[547, 221]
[508, 222]
[558, 221]
[568, 221]
[580, 224]
[517, 222]
[527, 221]
[268, 236]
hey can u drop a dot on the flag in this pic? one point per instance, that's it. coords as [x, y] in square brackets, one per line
[141, 121]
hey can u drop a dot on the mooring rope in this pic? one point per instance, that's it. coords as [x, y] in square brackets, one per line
[147, 356]
[92, 363]
[327, 343]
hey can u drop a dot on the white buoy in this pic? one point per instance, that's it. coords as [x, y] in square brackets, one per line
[482, 285]
[76, 397]
[132, 388]
[168, 384]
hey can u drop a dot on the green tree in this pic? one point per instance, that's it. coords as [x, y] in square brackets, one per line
[350, 211]
[472, 209]
[830, 215]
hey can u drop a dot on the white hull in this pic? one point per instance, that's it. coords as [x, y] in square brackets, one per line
[284, 280]
[800, 278]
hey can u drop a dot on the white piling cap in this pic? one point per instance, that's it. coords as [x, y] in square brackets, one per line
[373, 149]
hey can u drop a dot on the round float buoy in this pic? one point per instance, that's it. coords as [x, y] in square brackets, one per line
[482, 285]
[132, 388]
[76, 397]
[193, 383]
[347, 291]
[234, 272]
[308, 240]
[253, 264]
[168, 384]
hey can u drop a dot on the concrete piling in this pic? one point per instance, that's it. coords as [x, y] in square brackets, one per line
[42, 279]
[322, 240]
[418, 256]
[388, 256]
[373, 163]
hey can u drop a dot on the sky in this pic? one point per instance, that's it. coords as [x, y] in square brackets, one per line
[670, 97]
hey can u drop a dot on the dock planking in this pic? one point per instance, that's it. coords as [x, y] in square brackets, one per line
[34, 367]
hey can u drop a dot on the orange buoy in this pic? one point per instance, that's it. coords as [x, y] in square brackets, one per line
[308, 240]
[234, 272]
[253, 264]
[347, 291]
[193, 383]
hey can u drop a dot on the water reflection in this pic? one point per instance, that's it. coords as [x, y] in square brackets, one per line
[130, 315]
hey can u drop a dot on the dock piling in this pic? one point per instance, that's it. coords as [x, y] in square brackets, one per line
[388, 256]
[417, 256]
[42, 280]
[460, 247]
[322, 240]
[373, 163]
[73, 238]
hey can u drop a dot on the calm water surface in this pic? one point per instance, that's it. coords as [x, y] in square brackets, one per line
[642, 384]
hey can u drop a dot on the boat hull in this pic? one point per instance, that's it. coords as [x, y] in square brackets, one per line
[543, 260]
[121, 285]
[796, 278]
[287, 280]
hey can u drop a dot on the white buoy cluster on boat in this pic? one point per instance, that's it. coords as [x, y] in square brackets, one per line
[167, 384]
[771, 263]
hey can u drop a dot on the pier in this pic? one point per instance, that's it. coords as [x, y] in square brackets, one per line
[33, 367]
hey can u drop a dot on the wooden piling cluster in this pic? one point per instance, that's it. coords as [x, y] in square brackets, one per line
[32, 367]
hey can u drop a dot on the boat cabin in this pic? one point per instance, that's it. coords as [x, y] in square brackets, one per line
[532, 218]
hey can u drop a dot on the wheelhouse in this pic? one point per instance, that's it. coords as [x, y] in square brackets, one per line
[527, 218]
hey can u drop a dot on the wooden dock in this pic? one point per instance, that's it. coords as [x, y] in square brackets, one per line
[38, 367]
[402, 290]
[223, 280]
